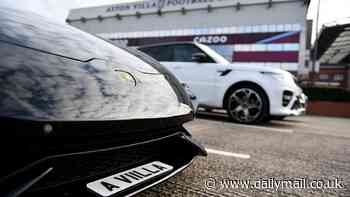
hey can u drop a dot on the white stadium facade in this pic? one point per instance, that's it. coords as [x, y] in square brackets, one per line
[260, 32]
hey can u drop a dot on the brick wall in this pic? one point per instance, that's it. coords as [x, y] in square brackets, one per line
[327, 108]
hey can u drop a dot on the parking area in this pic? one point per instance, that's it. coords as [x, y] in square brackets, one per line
[301, 156]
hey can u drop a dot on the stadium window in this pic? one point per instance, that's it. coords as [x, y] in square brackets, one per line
[225, 30]
[248, 29]
[290, 47]
[233, 30]
[176, 32]
[163, 33]
[285, 66]
[256, 28]
[166, 33]
[293, 66]
[246, 47]
[258, 63]
[274, 47]
[170, 33]
[197, 32]
[140, 34]
[296, 27]
[324, 77]
[272, 28]
[264, 28]
[155, 34]
[218, 31]
[280, 28]
[277, 65]
[238, 47]
[259, 47]
[240, 29]
[288, 27]
[338, 77]
[205, 31]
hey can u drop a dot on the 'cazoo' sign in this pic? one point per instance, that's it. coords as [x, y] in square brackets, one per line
[211, 39]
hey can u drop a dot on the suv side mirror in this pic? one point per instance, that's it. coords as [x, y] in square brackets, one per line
[200, 57]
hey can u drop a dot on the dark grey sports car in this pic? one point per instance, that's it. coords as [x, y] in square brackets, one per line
[81, 117]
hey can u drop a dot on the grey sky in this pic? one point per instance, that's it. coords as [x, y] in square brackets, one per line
[56, 9]
[331, 10]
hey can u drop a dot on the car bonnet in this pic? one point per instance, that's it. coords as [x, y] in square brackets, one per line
[36, 32]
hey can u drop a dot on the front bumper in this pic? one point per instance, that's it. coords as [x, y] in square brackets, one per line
[67, 174]
[296, 106]
[288, 101]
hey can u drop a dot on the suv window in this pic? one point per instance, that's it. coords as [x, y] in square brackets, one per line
[160, 53]
[184, 53]
[174, 53]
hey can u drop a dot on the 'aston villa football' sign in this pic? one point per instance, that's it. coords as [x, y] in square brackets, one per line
[159, 4]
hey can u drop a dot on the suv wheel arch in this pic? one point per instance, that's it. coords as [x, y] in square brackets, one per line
[242, 83]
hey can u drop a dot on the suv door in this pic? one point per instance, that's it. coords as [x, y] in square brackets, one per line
[199, 76]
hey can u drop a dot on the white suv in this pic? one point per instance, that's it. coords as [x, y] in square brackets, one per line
[250, 94]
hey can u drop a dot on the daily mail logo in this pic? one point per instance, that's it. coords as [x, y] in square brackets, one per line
[158, 4]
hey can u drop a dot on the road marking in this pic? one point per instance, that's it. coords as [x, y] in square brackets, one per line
[264, 128]
[229, 154]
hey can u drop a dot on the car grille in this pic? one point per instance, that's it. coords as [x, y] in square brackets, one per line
[71, 173]
[76, 144]
[72, 168]
[31, 149]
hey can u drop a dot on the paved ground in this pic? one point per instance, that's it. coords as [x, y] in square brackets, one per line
[306, 148]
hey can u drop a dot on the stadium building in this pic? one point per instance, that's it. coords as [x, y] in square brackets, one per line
[260, 32]
[333, 54]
